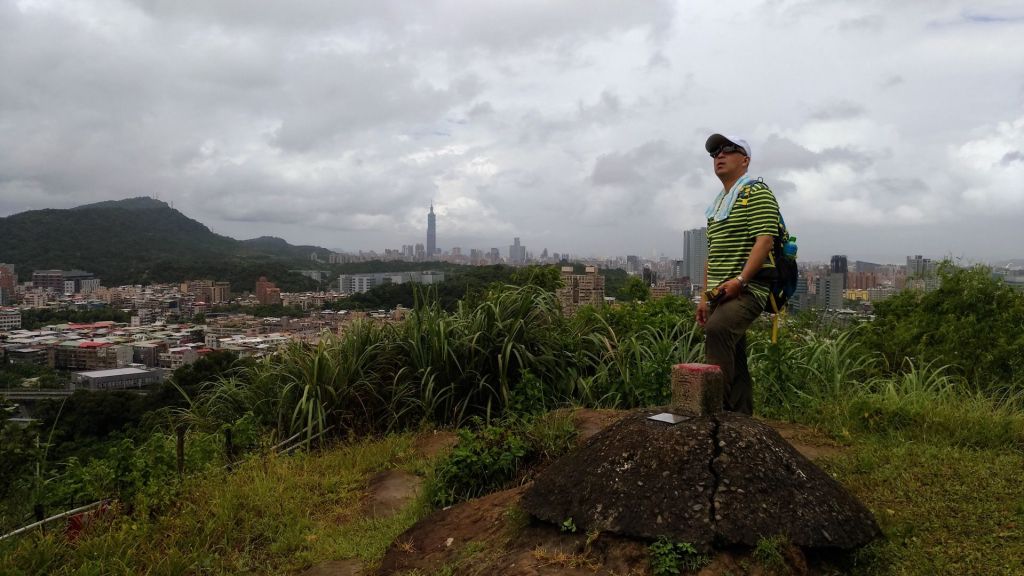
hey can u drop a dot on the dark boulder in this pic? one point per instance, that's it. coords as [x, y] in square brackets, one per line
[717, 479]
[766, 487]
[636, 478]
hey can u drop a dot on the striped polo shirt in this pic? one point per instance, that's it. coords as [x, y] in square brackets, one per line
[755, 213]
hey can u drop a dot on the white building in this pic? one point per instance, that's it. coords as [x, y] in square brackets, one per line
[10, 319]
[117, 379]
[360, 283]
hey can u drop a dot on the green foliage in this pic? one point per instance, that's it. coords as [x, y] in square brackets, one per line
[915, 488]
[668, 558]
[513, 352]
[35, 318]
[548, 278]
[550, 435]
[831, 380]
[19, 452]
[635, 290]
[469, 284]
[568, 525]
[167, 246]
[15, 375]
[273, 515]
[490, 457]
[770, 553]
[481, 462]
[972, 322]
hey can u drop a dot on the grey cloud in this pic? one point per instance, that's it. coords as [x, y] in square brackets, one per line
[838, 111]
[1011, 157]
[891, 81]
[480, 109]
[867, 23]
[336, 122]
[779, 153]
[658, 60]
[332, 97]
[890, 192]
[648, 167]
[489, 25]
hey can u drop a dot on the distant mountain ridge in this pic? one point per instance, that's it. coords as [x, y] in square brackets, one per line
[139, 240]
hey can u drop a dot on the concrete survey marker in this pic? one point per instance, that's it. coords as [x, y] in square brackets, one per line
[720, 478]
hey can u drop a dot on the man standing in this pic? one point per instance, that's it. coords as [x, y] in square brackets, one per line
[742, 222]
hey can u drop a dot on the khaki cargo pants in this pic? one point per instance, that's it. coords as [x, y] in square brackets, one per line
[726, 346]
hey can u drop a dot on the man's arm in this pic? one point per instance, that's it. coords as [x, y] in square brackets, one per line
[758, 254]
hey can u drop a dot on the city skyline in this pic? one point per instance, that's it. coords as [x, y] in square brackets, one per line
[578, 125]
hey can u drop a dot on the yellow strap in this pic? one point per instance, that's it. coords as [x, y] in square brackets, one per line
[775, 318]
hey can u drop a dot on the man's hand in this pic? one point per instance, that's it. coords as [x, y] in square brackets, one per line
[731, 288]
[702, 313]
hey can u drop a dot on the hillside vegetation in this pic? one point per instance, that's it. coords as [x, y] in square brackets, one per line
[936, 441]
[142, 240]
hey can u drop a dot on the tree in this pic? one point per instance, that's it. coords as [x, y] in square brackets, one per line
[635, 289]
[547, 277]
[972, 322]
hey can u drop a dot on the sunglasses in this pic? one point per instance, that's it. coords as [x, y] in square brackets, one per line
[728, 149]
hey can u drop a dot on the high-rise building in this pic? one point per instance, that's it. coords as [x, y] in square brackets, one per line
[695, 254]
[678, 272]
[839, 266]
[52, 280]
[800, 300]
[579, 290]
[632, 264]
[267, 293]
[65, 282]
[830, 291]
[8, 282]
[431, 233]
[516, 252]
[920, 267]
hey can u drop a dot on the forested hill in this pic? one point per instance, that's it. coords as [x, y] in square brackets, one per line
[140, 240]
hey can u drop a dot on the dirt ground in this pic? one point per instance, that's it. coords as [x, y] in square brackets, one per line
[492, 535]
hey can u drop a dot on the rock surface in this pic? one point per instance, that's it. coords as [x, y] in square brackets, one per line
[636, 478]
[767, 487]
[716, 479]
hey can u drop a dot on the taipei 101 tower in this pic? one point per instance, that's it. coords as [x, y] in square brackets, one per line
[431, 233]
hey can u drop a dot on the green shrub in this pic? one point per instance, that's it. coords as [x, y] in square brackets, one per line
[770, 553]
[489, 457]
[551, 435]
[482, 461]
[971, 322]
[669, 558]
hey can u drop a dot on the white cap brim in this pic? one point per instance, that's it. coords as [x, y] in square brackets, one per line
[716, 141]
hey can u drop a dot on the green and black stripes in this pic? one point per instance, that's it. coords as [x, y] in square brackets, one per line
[756, 213]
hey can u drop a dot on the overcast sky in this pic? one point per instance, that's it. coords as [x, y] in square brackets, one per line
[885, 128]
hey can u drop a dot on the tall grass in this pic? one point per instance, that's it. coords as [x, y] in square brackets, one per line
[514, 350]
[828, 379]
[511, 349]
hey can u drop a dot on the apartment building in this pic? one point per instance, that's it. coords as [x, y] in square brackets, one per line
[580, 290]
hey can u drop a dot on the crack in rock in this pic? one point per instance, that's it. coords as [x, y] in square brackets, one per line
[716, 480]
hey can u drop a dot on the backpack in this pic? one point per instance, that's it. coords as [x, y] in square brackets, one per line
[782, 277]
